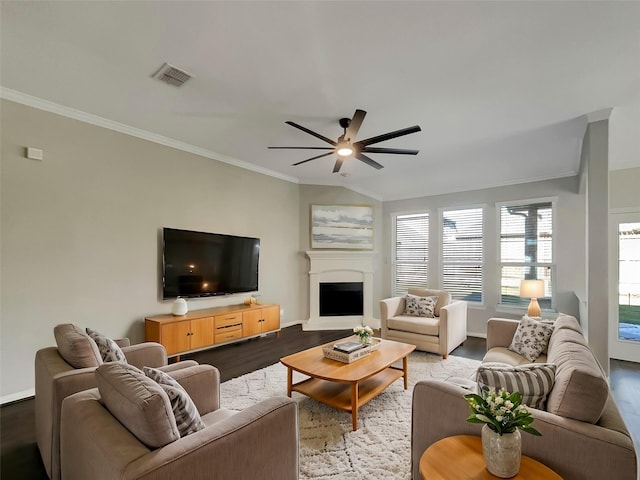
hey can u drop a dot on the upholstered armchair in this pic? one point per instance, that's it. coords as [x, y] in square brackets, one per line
[69, 368]
[439, 333]
[260, 441]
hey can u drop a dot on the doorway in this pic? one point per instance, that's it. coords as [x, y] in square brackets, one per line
[624, 315]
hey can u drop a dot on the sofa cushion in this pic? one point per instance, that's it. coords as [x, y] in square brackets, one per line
[534, 380]
[568, 322]
[76, 347]
[420, 325]
[509, 357]
[184, 410]
[420, 306]
[581, 390]
[109, 349]
[531, 338]
[138, 402]
[444, 297]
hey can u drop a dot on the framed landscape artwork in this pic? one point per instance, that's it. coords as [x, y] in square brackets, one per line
[342, 226]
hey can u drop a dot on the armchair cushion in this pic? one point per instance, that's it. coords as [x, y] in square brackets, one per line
[76, 347]
[531, 338]
[420, 325]
[184, 410]
[109, 349]
[138, 402]
[420, 306]
[534, 381]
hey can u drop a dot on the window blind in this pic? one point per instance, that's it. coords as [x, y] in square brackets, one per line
[411, 252]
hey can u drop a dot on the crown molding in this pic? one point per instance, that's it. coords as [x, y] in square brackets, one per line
[40, 104]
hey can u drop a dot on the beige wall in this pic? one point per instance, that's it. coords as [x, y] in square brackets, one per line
[80, 231]
[569, 234]
[324, 195]
[624, 188]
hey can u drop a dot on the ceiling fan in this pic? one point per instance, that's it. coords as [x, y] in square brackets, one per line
[346, 146]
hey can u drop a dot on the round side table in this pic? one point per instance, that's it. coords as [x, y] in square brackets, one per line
[460, 458]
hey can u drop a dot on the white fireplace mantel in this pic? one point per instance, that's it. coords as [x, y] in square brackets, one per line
[340, 266]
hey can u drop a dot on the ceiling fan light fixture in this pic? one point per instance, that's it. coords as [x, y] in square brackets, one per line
[344, 149]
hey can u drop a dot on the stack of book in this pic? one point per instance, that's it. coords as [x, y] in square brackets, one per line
[348, 347]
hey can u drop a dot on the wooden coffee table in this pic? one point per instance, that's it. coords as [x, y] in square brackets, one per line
[460, 458]
[347, 386]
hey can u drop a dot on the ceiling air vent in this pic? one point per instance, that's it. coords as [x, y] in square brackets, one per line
[171, 75]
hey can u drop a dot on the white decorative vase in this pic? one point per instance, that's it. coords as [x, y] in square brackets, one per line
[366, 340]
[179, 307]
[501, 452]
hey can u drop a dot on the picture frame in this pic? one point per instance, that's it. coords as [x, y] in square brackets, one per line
[344, 227]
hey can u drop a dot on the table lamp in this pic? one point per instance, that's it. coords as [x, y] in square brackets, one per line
[532, 289]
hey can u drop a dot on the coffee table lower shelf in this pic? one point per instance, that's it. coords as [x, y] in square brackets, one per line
[348, 396]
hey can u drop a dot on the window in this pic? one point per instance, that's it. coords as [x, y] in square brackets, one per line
[411, 252]
[526, 250]
[462, 253]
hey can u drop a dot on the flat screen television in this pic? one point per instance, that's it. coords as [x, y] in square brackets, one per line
[199, 264]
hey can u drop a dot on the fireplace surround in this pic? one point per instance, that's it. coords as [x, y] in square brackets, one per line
[340, 267]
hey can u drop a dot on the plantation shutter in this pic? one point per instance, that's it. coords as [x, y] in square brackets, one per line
[526, 251]
[462, 253]
[411, 253]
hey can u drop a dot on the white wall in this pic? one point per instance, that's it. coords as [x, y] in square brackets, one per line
[80, 231]
[624, 188]
[569, 235]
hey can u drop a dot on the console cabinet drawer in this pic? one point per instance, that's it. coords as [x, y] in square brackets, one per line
[229, 319]
[228, 334]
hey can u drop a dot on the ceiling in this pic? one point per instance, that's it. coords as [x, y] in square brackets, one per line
[501, 90]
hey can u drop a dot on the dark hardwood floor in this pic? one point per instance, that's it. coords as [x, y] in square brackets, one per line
[20, 459]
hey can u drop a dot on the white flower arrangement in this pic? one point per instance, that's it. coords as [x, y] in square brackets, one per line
[364, 332]
[501, 411]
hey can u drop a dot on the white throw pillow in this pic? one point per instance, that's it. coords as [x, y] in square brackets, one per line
[109, 350]
[531, 338]
[534, 381]
[187, 416]
[420, 306]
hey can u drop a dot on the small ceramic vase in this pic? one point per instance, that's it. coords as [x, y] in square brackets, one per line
[179, 307]
[501, 452]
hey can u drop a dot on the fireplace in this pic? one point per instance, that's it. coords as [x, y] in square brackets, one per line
[341, 279]
[340, 299]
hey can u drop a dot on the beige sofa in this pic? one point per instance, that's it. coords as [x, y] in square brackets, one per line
[56, 379]
[258, 442]
[583, 435]
[440, 334]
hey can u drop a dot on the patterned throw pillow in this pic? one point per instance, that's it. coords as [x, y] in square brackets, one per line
[109, 350]
[534, 381]
[184, 410]
[531, 338]
[420, 306]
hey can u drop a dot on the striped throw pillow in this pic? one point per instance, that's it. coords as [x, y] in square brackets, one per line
[534, 381]
[184, 410]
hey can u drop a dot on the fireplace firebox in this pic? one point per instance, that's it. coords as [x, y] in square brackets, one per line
[341, 299]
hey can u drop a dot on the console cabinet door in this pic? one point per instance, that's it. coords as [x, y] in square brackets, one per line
[201, 332]
[176, 337]
[252, 322]
[271, 317]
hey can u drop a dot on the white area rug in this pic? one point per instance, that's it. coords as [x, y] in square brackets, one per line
[329, 449]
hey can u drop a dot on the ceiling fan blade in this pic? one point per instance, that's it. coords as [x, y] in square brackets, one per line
[311, 132]
[300, 148]
[387, 136]
[354, 125]
[397, 151]
[338, 165]
[368, 161]
[312, 158]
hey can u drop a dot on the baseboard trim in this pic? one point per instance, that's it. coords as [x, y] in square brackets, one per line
[15, 397]
[477, 335]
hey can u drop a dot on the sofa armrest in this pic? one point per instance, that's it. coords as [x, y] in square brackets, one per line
[500, 332]
[453, 326]
[122, 342]
[202, 383]
[390, 307]
[146, 354]
[259, 442]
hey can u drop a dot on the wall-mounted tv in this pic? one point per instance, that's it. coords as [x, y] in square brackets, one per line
[199, 264]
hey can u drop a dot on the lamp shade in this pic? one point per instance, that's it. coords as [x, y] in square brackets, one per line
[532, 288]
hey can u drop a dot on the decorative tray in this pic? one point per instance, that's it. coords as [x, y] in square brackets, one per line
[330, 352]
